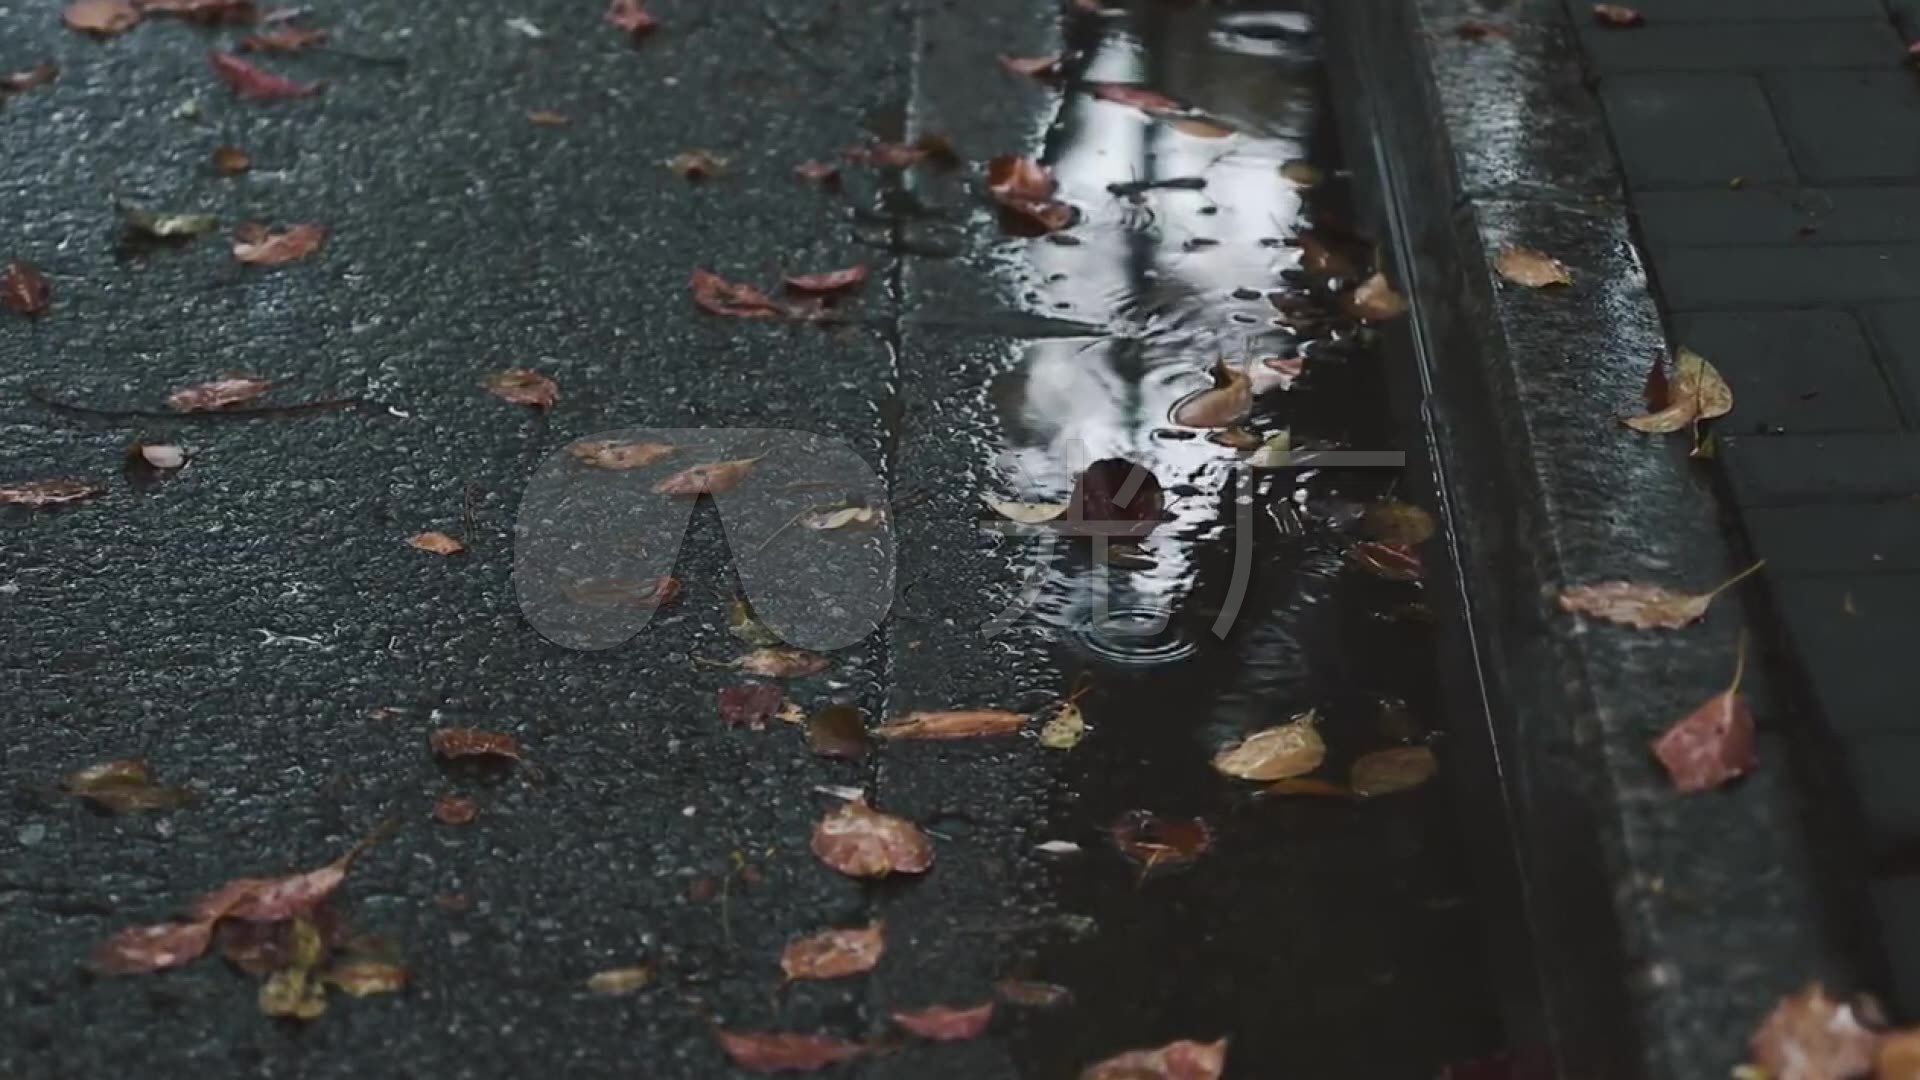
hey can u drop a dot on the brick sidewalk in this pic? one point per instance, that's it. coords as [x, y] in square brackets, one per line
[1772, 153]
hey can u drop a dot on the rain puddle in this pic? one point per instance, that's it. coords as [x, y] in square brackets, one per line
[1331, 936]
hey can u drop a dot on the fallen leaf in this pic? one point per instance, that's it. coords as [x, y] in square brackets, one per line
[628, 17]
[786, 1051]
[1023, 186]
[1292, 749]
[944, 1023]
[715, 294]
[141, 949]
[750, 705]
[291, 39]
[255, 245]
[623, 592]
[1617, 15]
[1645, 607]
[455, 810]
[1228, 402]
[819, 173]
[1156, 842]
[615, 454]
[1696, 392]
[1397, 523]
[860, 841]
[829, 520]
[1533, 269]
[624, 980]
[1115, 497]
[1183, 1060]
[454, 743]
[830, 281]
[122, 787]
[1027, 513]
[1306, 785]
[218, 394]
[251, 82]
[24, 289]
[231, 160]
[38, 493]
[712, 478]
[834, 954]
[1032, 995]
[437, 543]
[1384, 772]
[523, 386]
[782, 663]
[209, 12]
[1375, 300]
[1656, 391]
[1810, 1036]
[696, 165]
[1065, 730]
[1035, 67]
[38, 75]
[929, 147]
[365, 977]
[838, 731]
[292, 995]
[959, 724]
[102, 17]
[546, 118]
[1148, 101]
[1394, 562]
[1713, 744]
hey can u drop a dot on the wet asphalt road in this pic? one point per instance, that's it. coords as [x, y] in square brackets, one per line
[257, 627]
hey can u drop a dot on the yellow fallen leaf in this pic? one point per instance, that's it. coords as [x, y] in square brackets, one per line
[1291, 749]
[1534, 269]
[1065, 730]
[621, 980]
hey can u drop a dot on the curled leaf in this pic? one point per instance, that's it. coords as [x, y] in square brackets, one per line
[944, 1023]
[830, 281]
[218, 394]
[255, 245]
[786, 1051]
[141, 949]
[1024, 187]
[1384, 772]
[715, 294]
[436, 543]
[1533, 269]
[523, 386]
[122, 787]
[365, 977]
[292, 994]
[1695, 392]
[834, 954]
[860, 841]
[1291, 749]
[960, 724]
[290, 39]
[249, 81]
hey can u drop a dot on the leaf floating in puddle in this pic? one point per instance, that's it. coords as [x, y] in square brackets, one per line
[616, 454]
[1375, 300]
[712, 478]
[1810, 1036]
[1032, 995]
[24, 289]
[437, 543]
[782, 663]
[1384, 772]
[42, 493]
[623, 592]
[943, 1023]
[1157, 842]
[1533, 269]
[1394, 562]
[1228, 402]
[1398, 523]
[123, 787]
[751, 705]
[218, 394]
[860, 841]
[1697, 392]
[621, 980]
[834, 954]
[1035, 67]
[1183, 1060]
[523, 386]
[1306, 785]
[1024, 187]
[786, 1051]
[1617, 15]
[1292, 749]
[1027, 513]
[1065, 730]
[454, 743]
[957, 724]
[1116, 498]
[838, 731]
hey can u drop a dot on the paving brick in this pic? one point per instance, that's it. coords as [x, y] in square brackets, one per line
[1806, 275]
[1895, 329]
[1790, 470]
[1694, 130]
[1855, 635]
[1796, 216]
[1794, 370]
[1896, 902]
[1664, 11]
[1850, 125]
[1881, 536]
[1737, 46]
[1883, 768]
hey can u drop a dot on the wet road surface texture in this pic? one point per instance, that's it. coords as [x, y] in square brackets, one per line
[256, 626]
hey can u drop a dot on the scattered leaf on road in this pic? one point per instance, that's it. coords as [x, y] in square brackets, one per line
[1292, 749]
[1618, 15]
[547, 118]
[622, 980]
[218, 394]
[1384, 772]
[160, 226]
[523, 386]
[829, 281]
[956, 724]
[454, 743]
[838, 731]
[24, 289]
[616, 454]
[1810, 1036]
[249, 81]
[840, 518]
[623, 592]
[782, 663]
[696, 165]
[1645, 607]
[1307, 785]
[1065, 729]
[834, 954]
[365, 977]
[122, 787]
[256, 245]
[818, 173]
[102, 17]
[1183, 1060]
[944, 1023]
[205, 12]
[1533, 269]
[437, 543]
[39, 74]
[292, 994]
[711, 478]
[1154, 841]
[290, 39]
[231, 160]
[1376, 301]
[715, 294]
[860, 841]
[750, 705]
[1713, 744]
[1032, 995]
[38, 493]
[1695, 392]
[1023, 186]
[786, 1051]
[141, 949]
[931, 146]
[455, 810]
[631, 19]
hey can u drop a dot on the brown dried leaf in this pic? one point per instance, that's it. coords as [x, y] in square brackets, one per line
[123, 786]
[932, 146]
[231, 160]
[1032, 995]
[1034, 67]
[1643, 607]
[437, 543]
[1384, 772]
[860, 841]
[255, 245]
[829, 281]
[712, 478]
[24, 289]
[715, 294]
[834, 954]
[944, 1023]
[1183, 1060]
[958, 724]
[1711, 745]
[1810, 1036]
[782, 1051]
[623, 592]
[218, 394]
[696, 165]
[291, 39]
[102, 17]
[838, 731]
[452, 743]
[623, 980]
[1023, 186]
[455, 810]
[39, 493]
[1292, 749]
[1696, 392]
[39, 74]
[249, 81]
[1306, 785]
[782, 663]
[141, 949]
[1156, 842]
[1533, 269]
[750, 705]
[1394, 562]
[1618, 15]
[1375, 300]
[1228, 402]
[208, 12]
[365, 977]
[523, 386]
[615, 454]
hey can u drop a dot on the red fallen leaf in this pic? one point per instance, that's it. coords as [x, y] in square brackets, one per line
[711, 478]
[1154, 841]
[218, 394]
[1710, 746]
[818, 172]
[628, 17]
[751, 705]
[1617, 15]
[1115, 497]
[102, 17]
[1037, 67]
[455, 810]
[437, 543]
[251, 82]
[963, 724]
[210, 12]
[140, 949]
[1394, 562]
[1148, 101]
[1024, 186]
[943, 1023]
[38, 75]
[255, 245]
[523, 386]
[1183, 1060]
[623, 592]
[293, 39]
[781, 1051]
[719, 296]
[231, 160]
[834, 954]
[828, 281]
[24, 289]
[860, 841]
[452, 743]
[1810, 1036]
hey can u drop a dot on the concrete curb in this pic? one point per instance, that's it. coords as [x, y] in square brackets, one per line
[1662, 927]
